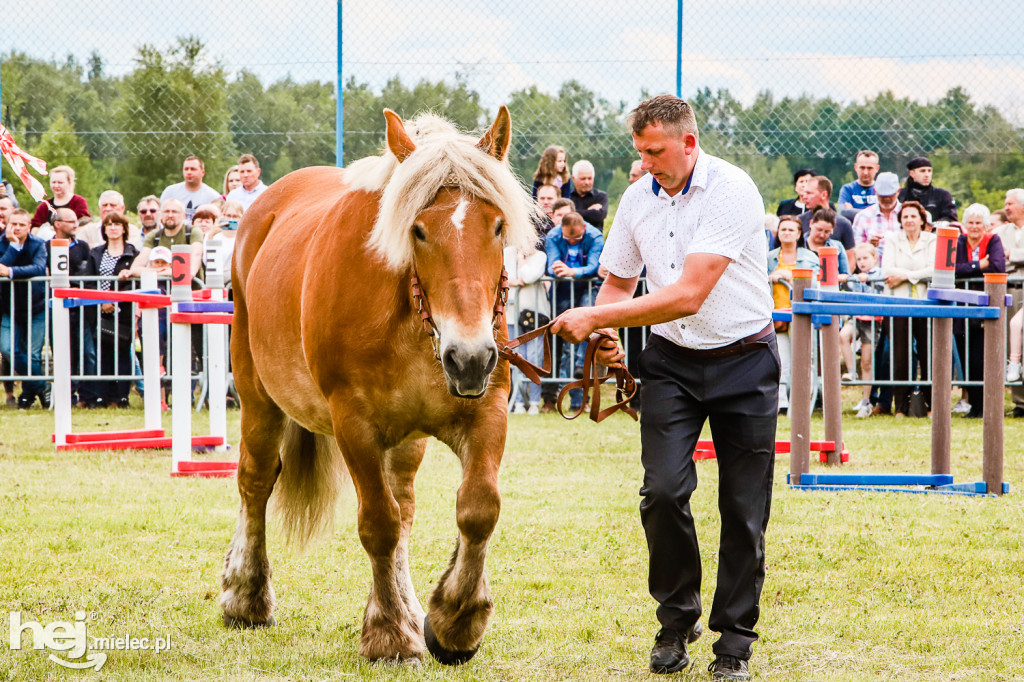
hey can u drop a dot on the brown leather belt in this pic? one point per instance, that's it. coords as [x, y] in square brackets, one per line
[746, 345]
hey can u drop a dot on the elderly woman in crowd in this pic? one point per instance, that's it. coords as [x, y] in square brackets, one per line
[113, 258]
[781, 263]
[907, 264]
[977, 251]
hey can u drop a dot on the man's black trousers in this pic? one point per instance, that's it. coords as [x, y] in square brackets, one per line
[738, 394]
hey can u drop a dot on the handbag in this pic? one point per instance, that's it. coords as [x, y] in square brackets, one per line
[531, 319]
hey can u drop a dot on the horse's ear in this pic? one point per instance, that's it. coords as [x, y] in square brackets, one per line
[399, 142]
[495, 141]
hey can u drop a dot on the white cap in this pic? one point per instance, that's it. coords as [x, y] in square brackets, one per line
[160, 253]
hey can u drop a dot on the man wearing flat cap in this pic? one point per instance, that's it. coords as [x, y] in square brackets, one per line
[938, 202]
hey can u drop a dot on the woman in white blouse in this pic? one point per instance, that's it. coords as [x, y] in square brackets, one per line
[907, 265]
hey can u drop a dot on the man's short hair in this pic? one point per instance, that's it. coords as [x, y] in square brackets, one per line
[1017, 193]
[65, 213]
[824, 214]
[803, 172]
[865, 152]
[561, 202]
[671, 112]
[20, 211]
[550, 187]
[149, 198]
[582, 165]
[193, 157]
[825, 185]
[112, 194]
[573, 219]
[248, 158]
[176, 202]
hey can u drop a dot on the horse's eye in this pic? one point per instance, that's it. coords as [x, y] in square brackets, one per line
[499, 227]
[417, 231]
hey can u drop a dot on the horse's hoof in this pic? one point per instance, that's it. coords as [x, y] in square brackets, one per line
[444, 656]
[245, 624]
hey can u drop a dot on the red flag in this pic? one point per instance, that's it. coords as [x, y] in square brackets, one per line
[17, 159]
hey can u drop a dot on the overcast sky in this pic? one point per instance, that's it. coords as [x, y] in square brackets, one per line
[847, 50]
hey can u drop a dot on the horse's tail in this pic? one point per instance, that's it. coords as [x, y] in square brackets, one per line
[312, 474]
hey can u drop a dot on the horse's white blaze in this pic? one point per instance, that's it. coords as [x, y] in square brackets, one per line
[478, 335]
[459, 216]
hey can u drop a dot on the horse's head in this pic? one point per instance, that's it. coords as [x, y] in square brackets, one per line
[457, 242]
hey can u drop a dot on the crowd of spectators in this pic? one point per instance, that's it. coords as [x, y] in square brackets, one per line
[109, 252]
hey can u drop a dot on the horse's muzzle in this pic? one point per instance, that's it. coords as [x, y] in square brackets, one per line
[468, 367]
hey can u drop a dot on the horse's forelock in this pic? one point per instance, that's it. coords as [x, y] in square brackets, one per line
[446, 157]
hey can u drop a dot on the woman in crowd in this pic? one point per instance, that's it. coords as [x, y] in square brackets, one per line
[553, 169]
[113, 258]
[62, 184]
[907, 264]
[232, 179]
[781, 263]
[977, 252]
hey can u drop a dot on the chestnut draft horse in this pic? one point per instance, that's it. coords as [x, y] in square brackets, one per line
[335, 368]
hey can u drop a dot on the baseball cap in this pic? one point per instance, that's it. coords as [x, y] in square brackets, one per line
[887, 184]
[160, 253]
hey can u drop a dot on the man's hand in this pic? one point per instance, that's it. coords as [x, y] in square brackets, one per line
[107, 307]
[574, 325]
[595, 207]
[562, 270]
[610, 353]
[5, 271]
[875, 239]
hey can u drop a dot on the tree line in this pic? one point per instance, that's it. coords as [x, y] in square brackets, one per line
[130, 132]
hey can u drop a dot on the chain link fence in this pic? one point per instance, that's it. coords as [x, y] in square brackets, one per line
[124, 91]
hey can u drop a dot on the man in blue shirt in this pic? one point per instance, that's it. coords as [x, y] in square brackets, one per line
[574, 252]
[860, 193]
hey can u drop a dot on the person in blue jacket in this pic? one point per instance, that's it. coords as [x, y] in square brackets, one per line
[22, 305]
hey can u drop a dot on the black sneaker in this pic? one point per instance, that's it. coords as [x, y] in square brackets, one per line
[729, 668]
[25, 401]
[44, 399]
[669, 653]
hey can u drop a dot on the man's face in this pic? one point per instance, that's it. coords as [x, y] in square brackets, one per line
[5, 210]
[560, 213]
[813, 197]
[821, 230]
[583, 180]
[250, 175]
[922, 176]
[110, 205]
[18, 226]
[546, 196]
[1014, 209]
[635, 173]
[65, 225]
[193, 173]
[148, 214]
[59, 184]
[887, 204]
[803, 184]
[667, 156]
[866, 168]
[172, 217]
[572, 235]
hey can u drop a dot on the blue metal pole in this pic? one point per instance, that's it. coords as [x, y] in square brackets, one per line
[679, 49]
[339, 121]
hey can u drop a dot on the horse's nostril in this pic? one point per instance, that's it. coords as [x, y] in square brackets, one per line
[492, 360]
[450, 363]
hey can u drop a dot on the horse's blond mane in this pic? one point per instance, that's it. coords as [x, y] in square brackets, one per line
[442, 154]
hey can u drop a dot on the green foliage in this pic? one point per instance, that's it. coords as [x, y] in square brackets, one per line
[61, 146]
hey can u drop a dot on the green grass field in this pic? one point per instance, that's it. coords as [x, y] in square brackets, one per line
[859, 585]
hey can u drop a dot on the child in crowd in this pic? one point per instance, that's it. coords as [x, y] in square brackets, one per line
[553, 169]
[867, 280]
[1016, 337]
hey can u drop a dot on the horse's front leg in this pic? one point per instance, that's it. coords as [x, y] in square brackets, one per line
[390, 631]
[461, 606]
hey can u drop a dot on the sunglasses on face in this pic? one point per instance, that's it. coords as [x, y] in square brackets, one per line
[147, 210]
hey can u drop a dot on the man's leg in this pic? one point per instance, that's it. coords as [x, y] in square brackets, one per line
[669, 428]
[35, 344]
[742, 400]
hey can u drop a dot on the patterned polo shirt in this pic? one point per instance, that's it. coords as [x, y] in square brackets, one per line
[720, 212]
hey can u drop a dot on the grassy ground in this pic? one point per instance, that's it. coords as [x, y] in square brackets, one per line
[859, 585]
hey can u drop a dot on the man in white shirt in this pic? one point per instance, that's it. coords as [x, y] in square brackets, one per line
[252, 187]
[698, 226]
[193, 192]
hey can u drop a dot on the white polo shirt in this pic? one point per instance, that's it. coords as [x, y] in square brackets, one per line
[245, 196]
[721, 212]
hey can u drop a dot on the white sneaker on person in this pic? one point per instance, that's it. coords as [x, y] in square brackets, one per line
[864, 410]
[1012, 372]
[861, 403]
[848, 377]
[519, 409]
[534, 410]
[962, 407]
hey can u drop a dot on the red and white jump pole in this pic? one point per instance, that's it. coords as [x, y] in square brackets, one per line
[61, 343]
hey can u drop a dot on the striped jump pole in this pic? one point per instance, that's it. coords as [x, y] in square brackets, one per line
[800, 382]
[181, 360]
[830, 358]
[994, 390]
[151, 356]
[942, 351]
[216, 361]
[61, 318]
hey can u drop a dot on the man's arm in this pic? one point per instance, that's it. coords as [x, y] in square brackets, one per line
[682, 298]
[551, 248]
[38, 266]
[596, 209]
[140, 262]
[593, 257]
[197, 257]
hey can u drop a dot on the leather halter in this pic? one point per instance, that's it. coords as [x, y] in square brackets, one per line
[419, 296]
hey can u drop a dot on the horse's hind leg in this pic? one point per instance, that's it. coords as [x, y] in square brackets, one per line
[247, 598]
[461, 605]
[389, 631]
